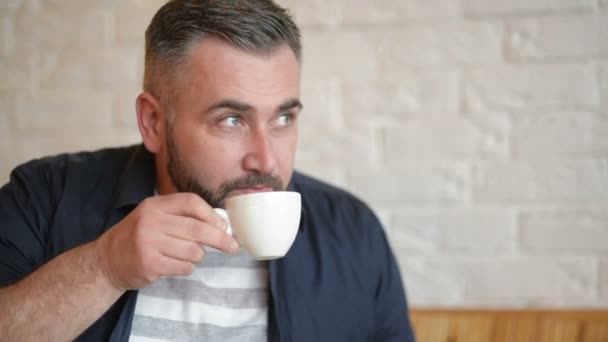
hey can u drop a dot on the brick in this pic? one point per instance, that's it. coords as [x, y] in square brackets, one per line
[535, 136]
[531, 87]
[17, 70]
[44, 29]
[345, 12]
[467, 232]
[5, 138]
[560, 231]
[603, 15]
[69, 111]
[353, 145]
[124, 111]
[604, 279]
[529, 278]
[339, 53]
[557, 36]
[306, 13]
[445, 138]
[409, 91]
[386, 220]
[343, 141]
[288, 4]
[330, 172]
[478, 7]
[7, 35]
[416, 183]
[7, 110]
[502, 282]
[80, 4]
[428, 282]
[440, 44]
[604, 86]
[541, 181]
[600, 133]
[321, 98]
[7, 164]
[493, 303]
[10, 4]
[132, 19]
[115, 68]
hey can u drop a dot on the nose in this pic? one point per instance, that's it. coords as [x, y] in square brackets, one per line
[260, 157]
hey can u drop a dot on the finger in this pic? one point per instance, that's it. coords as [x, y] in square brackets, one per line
[190, 229]
[175, 267]
[191, 205]
[182, 249]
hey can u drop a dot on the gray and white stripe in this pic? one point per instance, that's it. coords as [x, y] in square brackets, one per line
[226, 298]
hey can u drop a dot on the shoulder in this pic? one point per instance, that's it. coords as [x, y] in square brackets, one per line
[49, 178]
[85, 163]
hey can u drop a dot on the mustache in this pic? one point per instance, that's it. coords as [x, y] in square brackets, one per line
[250, 181]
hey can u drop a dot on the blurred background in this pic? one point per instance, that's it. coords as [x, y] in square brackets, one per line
[477, 129]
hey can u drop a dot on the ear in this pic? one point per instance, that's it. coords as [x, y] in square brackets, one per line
[151, 121]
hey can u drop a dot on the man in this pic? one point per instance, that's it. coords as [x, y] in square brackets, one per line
[123, 244]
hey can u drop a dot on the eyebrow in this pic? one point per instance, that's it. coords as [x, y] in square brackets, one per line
[244, 107]
[290, 104]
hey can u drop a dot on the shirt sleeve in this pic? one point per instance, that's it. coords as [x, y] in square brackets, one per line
[25, 208]
[392, 321]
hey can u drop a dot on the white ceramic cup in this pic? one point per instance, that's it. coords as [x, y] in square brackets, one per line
[264, 223]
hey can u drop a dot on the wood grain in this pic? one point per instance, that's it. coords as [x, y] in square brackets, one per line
[510, 325]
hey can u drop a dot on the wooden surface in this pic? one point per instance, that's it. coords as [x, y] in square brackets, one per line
[510, 326]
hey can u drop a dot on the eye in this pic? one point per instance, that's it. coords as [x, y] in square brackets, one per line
[231, 121]
[285, 119]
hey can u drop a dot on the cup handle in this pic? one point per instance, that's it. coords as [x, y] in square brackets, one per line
[224, 215]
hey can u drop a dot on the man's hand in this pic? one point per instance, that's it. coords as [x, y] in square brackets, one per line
[163, 236]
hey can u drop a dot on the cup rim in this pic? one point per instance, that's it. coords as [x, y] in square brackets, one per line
[265, 193]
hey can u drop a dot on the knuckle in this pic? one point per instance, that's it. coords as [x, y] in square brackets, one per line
[139, 232]
[192, 251]
[192, 200]
[149, 277]
[195, 252]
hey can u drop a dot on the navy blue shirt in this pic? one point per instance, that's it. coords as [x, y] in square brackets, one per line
[338, 282]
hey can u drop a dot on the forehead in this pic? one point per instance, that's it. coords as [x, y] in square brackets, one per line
[214, 69]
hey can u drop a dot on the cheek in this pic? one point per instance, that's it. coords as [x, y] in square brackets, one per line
[286, 154]
[219, 159]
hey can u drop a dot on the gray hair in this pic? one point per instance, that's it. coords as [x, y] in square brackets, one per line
[255, 26]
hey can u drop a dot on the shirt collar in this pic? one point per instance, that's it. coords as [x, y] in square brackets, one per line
[138, 178]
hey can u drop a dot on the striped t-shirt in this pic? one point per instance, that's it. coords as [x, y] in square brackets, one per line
[225, 299]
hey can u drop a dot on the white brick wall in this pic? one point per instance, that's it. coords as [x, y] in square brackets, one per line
[568, 231]
[604, 86]
[488, 232]
[578, 133]
[515, 86]
[541, 181]
[320, 13]
[84, 67]
[497, 7]
[604, 278]
[477, 128]
[556, 36]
